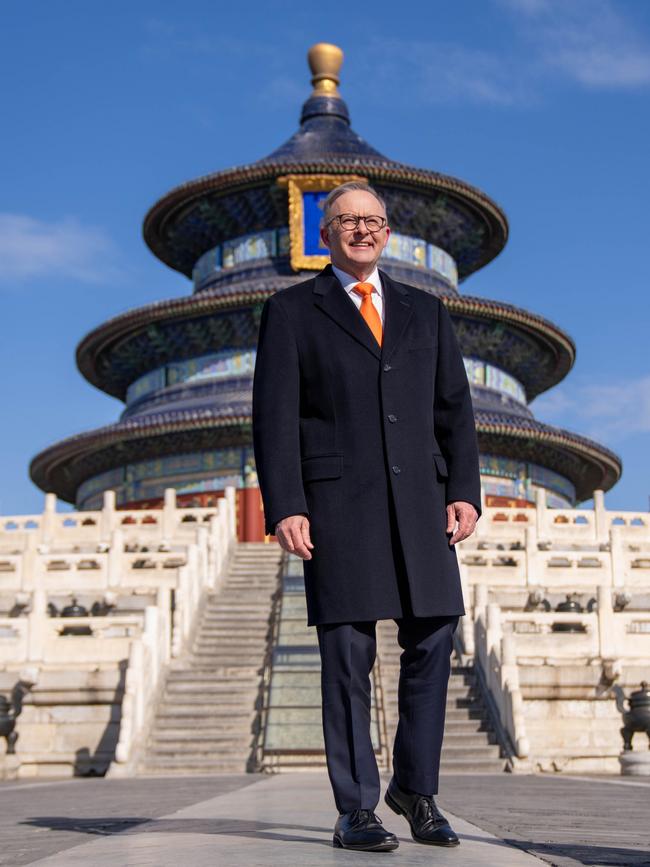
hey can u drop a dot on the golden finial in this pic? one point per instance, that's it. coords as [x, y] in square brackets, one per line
[325, 62]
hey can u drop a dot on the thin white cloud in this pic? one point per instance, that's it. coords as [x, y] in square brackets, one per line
[434, 72]
[588, 41]
[31, 248]
[611, 411]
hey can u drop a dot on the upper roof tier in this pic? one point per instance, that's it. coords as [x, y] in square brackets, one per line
[196, 216]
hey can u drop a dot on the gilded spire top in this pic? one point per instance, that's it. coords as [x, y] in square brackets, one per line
[325, 62]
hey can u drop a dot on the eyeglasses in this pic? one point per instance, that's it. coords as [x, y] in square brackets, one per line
[373, 223]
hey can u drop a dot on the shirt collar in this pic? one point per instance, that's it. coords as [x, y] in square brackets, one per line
[349, 282]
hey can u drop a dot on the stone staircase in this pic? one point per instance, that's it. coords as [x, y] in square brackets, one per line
[470, 744]
[215, 701]
[206, 720]
[293, 737]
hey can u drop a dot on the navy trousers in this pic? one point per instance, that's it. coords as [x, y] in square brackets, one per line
[347, 652]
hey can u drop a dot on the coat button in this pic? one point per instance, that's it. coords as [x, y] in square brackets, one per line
[387, 367]
[396, 469]
[392, 417]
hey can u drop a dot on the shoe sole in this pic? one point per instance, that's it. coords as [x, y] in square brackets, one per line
[370, 847]
[395, 807]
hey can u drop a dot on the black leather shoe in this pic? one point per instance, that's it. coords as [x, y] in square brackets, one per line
[428, 825]
[362, 830]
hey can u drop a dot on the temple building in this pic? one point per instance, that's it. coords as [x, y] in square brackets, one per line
[157, 630]
[184, 367]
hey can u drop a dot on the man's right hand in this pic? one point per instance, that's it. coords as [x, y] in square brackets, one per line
[293, 535]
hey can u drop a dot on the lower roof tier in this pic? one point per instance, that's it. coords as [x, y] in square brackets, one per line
[65, 466]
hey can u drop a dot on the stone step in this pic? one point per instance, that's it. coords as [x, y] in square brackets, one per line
[204, 667]
[247, 574]
[234, 637]
[259, 633]
[247, 589]
[215, 741]
[190, 689]
[205, 705]
[203, 715]
[217, 688]
[234, 764]
[228, 616]
[198, 754]
[213, 674]
[254, 625]
[236, 625]
[224, 658]
[208, 723]
[219, 654]
[246, 631]
[233, 647]
[261, 570]
[224, 726]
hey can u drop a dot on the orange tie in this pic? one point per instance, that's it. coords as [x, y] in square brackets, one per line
[368, 309]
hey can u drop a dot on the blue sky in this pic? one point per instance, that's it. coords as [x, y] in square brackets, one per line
[543, 104]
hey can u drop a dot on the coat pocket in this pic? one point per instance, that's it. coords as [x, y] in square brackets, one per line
[321, 467]
[441, 464]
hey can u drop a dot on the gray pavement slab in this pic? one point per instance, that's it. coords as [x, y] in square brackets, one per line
[42, 818]
[279, 820]
[566, 821]
[245, 819]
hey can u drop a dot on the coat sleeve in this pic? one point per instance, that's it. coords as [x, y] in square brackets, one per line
[276, 413]
[453, 417]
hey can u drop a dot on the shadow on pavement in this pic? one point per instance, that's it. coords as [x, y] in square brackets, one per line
[232, 827]
[592, 856]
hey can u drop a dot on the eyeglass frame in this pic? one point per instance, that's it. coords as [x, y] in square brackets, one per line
[358, 218]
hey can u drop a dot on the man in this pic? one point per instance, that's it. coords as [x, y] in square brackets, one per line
[367, 460]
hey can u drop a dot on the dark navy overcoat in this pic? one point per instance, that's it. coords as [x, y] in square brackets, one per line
[340, 425]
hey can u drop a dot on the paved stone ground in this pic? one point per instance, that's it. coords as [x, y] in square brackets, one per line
[563, 820]
[503, 821]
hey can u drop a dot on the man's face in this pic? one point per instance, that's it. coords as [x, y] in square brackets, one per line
[355, 250]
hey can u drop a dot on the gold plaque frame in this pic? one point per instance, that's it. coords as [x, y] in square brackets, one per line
[297, 185]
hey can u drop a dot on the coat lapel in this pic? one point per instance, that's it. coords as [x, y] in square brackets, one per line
[334, 301]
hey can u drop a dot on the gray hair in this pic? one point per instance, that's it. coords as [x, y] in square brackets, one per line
[347, 188]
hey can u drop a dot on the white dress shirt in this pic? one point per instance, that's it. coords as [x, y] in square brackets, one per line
[349, 282]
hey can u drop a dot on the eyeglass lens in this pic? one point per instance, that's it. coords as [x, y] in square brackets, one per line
[351, 221]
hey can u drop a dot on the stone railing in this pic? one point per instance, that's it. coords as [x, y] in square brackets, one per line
[166, 633]
[616, 564]
[554, 645]
[66, 529]
[587, 526]
[174, 560]
[495, 658]
[144, 676]
[60, 641]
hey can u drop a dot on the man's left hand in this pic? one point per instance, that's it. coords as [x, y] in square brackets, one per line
[466, 515]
